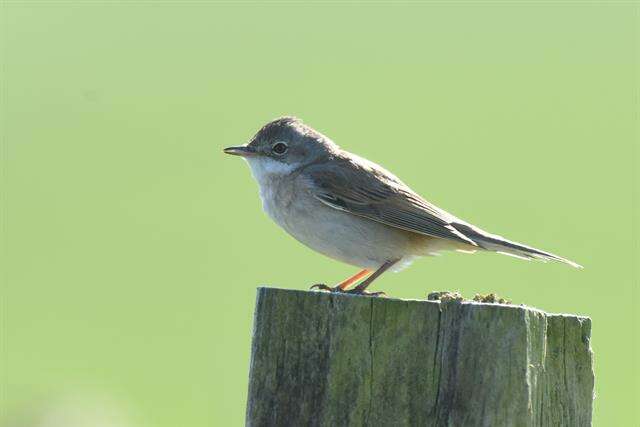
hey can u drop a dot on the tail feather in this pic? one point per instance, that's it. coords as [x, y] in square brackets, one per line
[501, 245]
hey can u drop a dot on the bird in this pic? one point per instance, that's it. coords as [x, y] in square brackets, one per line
[353, 210]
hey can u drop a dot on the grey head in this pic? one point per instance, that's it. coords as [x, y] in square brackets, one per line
[284, 145]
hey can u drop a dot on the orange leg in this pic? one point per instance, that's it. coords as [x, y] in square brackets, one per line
[347, 282]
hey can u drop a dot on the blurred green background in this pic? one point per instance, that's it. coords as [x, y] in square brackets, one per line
[132, 246]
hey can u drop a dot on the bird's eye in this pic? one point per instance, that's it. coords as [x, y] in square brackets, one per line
[279, 148]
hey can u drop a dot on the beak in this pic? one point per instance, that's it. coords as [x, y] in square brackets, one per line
[240, 150]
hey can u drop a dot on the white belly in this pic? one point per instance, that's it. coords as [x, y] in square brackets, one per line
[340, 235]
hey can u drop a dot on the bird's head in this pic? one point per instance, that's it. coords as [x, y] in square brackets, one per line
[282, 146]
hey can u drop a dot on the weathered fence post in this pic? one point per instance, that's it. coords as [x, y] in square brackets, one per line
[321, 359]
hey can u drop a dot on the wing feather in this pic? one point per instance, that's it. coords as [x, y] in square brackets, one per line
[365, 189]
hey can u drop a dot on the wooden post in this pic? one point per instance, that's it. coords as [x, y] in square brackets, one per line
[321, 359]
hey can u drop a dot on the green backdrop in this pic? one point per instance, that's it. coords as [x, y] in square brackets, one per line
[132, 246]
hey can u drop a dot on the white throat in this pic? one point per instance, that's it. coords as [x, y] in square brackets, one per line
[269, 174]
[265, 169]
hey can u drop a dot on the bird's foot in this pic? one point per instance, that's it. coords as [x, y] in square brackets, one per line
[354, 291]
[323, 287]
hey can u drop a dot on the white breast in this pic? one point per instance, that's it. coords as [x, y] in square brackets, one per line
[267, 172]
[334, 233]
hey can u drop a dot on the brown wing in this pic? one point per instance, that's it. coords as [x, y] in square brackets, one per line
[365, 189]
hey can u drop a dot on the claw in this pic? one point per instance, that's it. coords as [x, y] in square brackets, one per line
[338, 289]
[377, 294]
[365, 293]
[323, 287]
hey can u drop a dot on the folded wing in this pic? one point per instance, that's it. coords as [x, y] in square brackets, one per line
[365, 189]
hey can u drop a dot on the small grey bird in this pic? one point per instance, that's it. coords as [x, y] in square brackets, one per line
[353, 210]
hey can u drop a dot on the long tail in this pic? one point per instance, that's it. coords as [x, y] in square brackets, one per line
[492, 242]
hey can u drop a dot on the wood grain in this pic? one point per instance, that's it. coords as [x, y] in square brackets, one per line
[321, 359]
